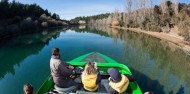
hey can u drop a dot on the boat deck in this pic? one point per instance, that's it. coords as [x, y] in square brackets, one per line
[94, 57]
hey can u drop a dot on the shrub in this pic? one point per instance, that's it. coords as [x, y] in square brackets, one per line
[52, 22]
[27, 24]
[44, 24]
[2, 29]
[12, 28]
[185, 27]
[115, 23]
[43, 17]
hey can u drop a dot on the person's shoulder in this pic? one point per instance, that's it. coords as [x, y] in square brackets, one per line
[55, 61]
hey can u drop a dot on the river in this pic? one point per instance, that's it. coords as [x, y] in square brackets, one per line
[159, 66]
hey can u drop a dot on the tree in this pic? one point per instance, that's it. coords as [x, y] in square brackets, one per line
[116, 14]
[175, 6]
[163, 6]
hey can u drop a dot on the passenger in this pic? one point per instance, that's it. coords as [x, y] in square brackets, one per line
[61, 71]
[118, 83]
[91, 77]
[28, 89]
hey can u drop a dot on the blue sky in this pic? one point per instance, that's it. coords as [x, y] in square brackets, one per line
[68, 9]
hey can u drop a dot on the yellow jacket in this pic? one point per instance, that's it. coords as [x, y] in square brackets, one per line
[121, 86]
[89, 82]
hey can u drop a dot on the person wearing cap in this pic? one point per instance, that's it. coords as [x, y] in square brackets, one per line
[60, 70]
[90, 77]
[118, 83]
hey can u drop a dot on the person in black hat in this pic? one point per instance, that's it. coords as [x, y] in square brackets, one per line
[28, 89]
[118, 83]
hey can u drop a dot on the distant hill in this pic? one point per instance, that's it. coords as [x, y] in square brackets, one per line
[88, 18]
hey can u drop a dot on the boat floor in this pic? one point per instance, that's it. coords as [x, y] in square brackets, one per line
[94, 57]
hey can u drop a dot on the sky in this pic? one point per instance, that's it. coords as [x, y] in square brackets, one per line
[68, 9]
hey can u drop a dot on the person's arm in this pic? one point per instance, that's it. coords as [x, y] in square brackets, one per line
[131, 78]
[64, 70]
[65, 63]
[68, 66]
[112, 91]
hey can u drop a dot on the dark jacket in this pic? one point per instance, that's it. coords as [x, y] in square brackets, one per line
[60, 72]
[98, 80]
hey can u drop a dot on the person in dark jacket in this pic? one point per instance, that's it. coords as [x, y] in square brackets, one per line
[61, 71]
[28, 89]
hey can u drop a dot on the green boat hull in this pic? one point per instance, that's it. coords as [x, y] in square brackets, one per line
[103, 62]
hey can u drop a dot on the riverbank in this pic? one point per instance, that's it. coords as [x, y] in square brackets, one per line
[177, 40]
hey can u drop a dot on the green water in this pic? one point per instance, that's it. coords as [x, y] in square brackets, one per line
[160, 66]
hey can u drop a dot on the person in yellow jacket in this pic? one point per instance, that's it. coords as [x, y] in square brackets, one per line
[91, 77]
[118, 82]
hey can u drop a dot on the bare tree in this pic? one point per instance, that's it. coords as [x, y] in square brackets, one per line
[163, 6]
[128, 6]
[109, 20]
[127, 14]
[175, 6]
[116, 14]
[151, 10]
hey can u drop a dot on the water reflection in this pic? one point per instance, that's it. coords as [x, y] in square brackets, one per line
[13, 51]
[160, 66]
[90, 30]
[162, 62]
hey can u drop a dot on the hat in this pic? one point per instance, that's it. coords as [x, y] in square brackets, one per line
[114, 74]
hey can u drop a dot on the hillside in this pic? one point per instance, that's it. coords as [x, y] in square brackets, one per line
[168, 17]
[16, 18]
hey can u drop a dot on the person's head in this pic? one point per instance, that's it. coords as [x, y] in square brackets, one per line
[55, 51]
[90, 68]
[28, 89]
[114, 74]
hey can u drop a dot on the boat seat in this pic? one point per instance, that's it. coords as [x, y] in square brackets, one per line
[65, 90]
